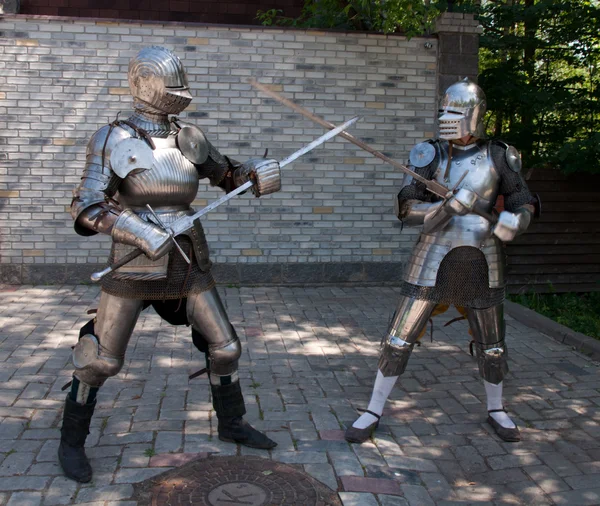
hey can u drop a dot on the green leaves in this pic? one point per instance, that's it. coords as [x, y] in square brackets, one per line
[539, 68]
[411, 17]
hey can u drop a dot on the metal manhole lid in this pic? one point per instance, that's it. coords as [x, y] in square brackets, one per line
[234, 481]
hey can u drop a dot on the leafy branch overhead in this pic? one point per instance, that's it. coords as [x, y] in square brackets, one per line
[411, 17]
[538, 65]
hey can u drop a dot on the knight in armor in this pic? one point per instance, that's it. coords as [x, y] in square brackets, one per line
[152, 158]
[459, 257]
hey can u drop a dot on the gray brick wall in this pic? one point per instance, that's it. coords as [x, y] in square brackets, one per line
[62, 80]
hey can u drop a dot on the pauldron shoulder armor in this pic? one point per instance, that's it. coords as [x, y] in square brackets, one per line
[422, 154]
[192, 142]
[513, 157]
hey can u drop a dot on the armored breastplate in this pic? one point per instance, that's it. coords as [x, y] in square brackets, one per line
[482, 177]
[469, 230]
[170, 187]
[171, 183]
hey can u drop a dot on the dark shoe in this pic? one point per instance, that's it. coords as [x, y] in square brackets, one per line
[354, 435]
[74, 431]
[509, 435]
[238, 430]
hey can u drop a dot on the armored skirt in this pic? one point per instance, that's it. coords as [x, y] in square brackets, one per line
[182, 279]
[462, 280]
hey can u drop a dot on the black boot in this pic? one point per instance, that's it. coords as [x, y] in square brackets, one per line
[238, 430]
[74, 431]
[228, 402]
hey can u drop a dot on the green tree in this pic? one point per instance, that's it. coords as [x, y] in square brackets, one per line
[539, 67]
[411, 17]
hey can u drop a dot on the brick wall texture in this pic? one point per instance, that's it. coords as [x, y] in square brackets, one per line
[199, 11]
[62, 80]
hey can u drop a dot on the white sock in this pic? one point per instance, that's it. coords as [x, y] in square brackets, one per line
[494, 401]
[381, 391]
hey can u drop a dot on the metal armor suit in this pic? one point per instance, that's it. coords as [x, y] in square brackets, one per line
[150, 159]
[458, 258]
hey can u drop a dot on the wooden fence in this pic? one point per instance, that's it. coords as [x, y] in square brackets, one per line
[561, 250]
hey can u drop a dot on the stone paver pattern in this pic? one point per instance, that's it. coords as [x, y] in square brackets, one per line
[309, 360]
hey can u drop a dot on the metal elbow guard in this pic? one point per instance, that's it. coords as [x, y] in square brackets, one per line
[224, 357]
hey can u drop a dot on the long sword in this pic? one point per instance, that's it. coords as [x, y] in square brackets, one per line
[433, 186]
[185, 223]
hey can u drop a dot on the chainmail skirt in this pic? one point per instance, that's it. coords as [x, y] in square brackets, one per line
[182, 279]
[462, 280]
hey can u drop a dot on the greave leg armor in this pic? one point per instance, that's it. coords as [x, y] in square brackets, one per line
[408, 322]
[488, 329]
[213, 334]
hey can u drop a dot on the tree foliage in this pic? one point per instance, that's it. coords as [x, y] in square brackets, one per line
[539, 64]
[539, 68]
[411, 17]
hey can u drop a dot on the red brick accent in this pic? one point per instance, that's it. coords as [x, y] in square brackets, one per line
[371, 485]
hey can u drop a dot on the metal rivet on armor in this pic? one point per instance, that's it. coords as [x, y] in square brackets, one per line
[457, 163]
[472, 162]
[132, 159]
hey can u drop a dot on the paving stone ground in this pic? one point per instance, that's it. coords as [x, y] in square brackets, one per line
[310, 356]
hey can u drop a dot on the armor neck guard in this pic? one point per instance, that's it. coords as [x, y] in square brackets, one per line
[467, 147]
[156, 123]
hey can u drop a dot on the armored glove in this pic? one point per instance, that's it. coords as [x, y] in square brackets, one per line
[511, 224]
[457, 205]
[150, 238]
[461, 203]
[265, 173]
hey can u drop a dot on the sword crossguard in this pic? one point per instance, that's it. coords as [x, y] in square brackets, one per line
[159, 221]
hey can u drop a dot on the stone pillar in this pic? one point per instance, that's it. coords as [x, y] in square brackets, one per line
[458, 36]
[10, 6]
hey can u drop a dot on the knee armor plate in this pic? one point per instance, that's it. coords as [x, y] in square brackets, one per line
[394, 356]
[91, 367]
[224, 357]
[492, 361]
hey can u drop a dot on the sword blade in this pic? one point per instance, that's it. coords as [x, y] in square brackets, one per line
[185, 223]
[317, 142]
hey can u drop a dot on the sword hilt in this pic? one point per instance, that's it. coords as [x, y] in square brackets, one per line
[97, 276]
[185, 257]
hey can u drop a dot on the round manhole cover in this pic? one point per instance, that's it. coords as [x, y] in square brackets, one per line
[234, 481]
[240, 492]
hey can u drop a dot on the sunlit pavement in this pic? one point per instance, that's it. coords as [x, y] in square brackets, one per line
[309, 360]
